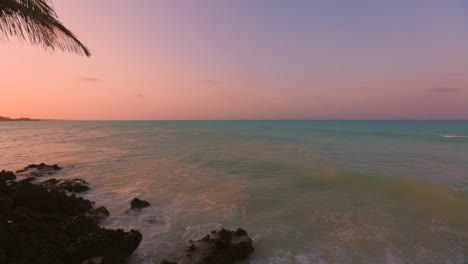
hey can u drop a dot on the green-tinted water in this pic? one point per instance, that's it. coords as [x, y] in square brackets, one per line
[307, 191]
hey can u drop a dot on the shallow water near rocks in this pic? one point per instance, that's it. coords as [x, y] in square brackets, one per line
[306, 191]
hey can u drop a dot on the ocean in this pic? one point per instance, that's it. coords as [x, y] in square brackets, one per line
[306, 191]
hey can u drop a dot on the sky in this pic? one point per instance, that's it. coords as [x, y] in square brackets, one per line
[246, 59]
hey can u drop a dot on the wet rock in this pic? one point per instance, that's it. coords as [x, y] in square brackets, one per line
[3, 186]
[39, 224]
[41, 166]
[3, 257]
[113, 245]
[74, 186]
[6, 203]
[39, 170]
[96, 260]
[165, 261]
[7, 175]
[98, 214]
[28, 179]
[50, 182]
[43, 202]
[36, 197]
[219, 247]
[139, 204]
[240, 232]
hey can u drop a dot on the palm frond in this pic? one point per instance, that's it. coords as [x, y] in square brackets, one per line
[36, 22]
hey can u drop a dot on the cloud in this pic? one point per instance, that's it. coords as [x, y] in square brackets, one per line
[222, 95]
[137, 95]
[212, 82]
[89, 79]
[305, 98]
[444, 90]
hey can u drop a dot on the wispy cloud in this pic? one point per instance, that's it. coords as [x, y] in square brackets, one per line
[212, 82]
[88, 79]
[316, 98]
[457, 74]
[222, 94]
[444, 90]
[136, 95]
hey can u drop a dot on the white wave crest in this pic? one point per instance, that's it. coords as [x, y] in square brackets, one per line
[453, 136]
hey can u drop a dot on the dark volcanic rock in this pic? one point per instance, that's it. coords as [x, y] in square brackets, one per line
[6, 203]
[164, 261]
[39, 170]
[39, 224]
[98, 214]
[75, 185]
[139, 204]
[28, 179]
[50, 182]
[40, 199]
[114, 245]
[219, 247]
[7, 175]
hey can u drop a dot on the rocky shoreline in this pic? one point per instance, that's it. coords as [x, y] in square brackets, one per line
[45, 222]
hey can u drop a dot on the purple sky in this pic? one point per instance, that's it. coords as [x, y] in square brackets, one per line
[244, 59]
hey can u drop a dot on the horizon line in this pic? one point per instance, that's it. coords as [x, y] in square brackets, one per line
[291, 119]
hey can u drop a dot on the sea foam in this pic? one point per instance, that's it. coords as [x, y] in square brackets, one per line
[453, 136]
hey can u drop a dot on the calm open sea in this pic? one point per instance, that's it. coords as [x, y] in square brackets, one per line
[306, 191]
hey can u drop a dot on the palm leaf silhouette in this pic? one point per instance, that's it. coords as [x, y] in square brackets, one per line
[36, 22]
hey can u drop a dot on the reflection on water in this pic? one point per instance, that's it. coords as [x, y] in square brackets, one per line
[307, 192]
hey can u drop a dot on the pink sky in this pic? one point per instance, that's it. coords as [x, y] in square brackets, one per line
[246, 60]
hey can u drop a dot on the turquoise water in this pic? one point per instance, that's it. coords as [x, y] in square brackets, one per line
[307, 191]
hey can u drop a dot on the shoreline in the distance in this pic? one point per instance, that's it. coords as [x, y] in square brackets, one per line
[9, 119]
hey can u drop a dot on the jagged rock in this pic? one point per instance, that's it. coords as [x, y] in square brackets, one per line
[40, 199]
[98, 214]
[43, 202]
[41, 166]
[3, 186]
[75, 185]
[113, 245]
[6, 203]
[139, 204]
[219, 247]
[50, 182]
[165, 261]
[28, 179]
[7, 175]
[45, 225]
[3, 257]
[96, 260]
[39, 170]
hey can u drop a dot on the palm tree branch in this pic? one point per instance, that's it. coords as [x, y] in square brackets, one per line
[35, 21]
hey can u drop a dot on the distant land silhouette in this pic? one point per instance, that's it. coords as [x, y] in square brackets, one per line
[4, 118]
